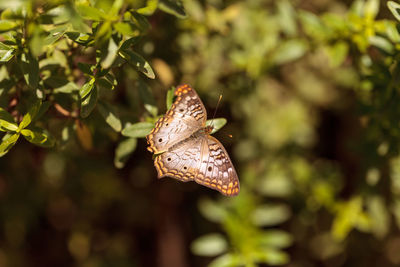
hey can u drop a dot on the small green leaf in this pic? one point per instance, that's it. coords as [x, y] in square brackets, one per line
[55, 34]
[371, 9]
[7, 25]
[170, 97]
[227, 260]
[7, 143]
[126, 28]
[289, 51]
[173, 7]
[124, 149]
[80, 38]
[61, 85]
[85, 68]
[275, 239]
[209, 245]
[7, 126]
[91, 13]
[128, 43]
[141, 21]
[6, 52]
[38, 136]
[107, 82]
[103, 32]
[112, 52]
[149, 9]
[109, 113]
[147, 98]
[30, 69]
[394, 8]
[86, 88]
[30, 116]
[138, 130]
[212, 210]
[138, 62]
[270, 215]
[217, 124]
[89, 102]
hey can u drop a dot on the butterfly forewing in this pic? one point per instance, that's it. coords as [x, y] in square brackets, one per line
[186, 150]
[186, 116]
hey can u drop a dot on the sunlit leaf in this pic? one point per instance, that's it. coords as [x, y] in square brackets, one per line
[30, 116]
[275, 239]
[7, 143]
[138, 62]
[89, 102]
[173, 7]
[89, 12]
[170, 97]
[270, 215]
[112, 51]
[209, 245]
[149, 9]
[394, 8]
[124, 149]
[138, 130]
[30, 69]
[110, 115]
[217, 124]
[7, 25]
[86, 88]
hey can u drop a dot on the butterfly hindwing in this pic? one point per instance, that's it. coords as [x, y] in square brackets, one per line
[186, 116]
[216, 169]
[181, 161]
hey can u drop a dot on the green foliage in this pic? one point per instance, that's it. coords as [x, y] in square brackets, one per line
[311, 99]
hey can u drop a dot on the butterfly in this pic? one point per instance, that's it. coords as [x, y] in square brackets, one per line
[184, 148]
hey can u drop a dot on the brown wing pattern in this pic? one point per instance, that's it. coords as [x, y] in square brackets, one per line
[216, 169]
[186, 151]
[180, 161]
[186, 116]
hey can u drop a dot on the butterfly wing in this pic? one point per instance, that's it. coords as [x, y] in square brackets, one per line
[216, 169]
[181, 161]
[186, 116]
[203, 159]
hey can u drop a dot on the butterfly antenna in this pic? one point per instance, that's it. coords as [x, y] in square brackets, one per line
[215, 112]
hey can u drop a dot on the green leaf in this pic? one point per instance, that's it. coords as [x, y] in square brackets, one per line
[30, 116]
[86, 88]
[6, 52]
[172, 7]
[394, 8]
[91, 13]
[270, 215]
[30, 69]
[85, 68]
[141, 21]
[271, 256]
[112, 52]
[138, 130]
[170, 97]
[371, 9]
[7, 25]
[7, 143]
[103, 32]
[80, 38]
[217, 124]
[227, 260]
[149, 9]
[138, 62]
[126, 28]
[124, 149]
[275, 239]
[109, 113]
[107, 82]
[289, 51]
[209, 245]
[8, 126]
[61, 85]
[55, 34]
[128, 43]
[147, 98]
[212, 210]
[89, 102]
[38, 136]
[338, 53]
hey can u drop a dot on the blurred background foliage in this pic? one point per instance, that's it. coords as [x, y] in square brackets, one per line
[310, 93]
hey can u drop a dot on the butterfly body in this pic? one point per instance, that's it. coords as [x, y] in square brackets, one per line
[186, 151]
